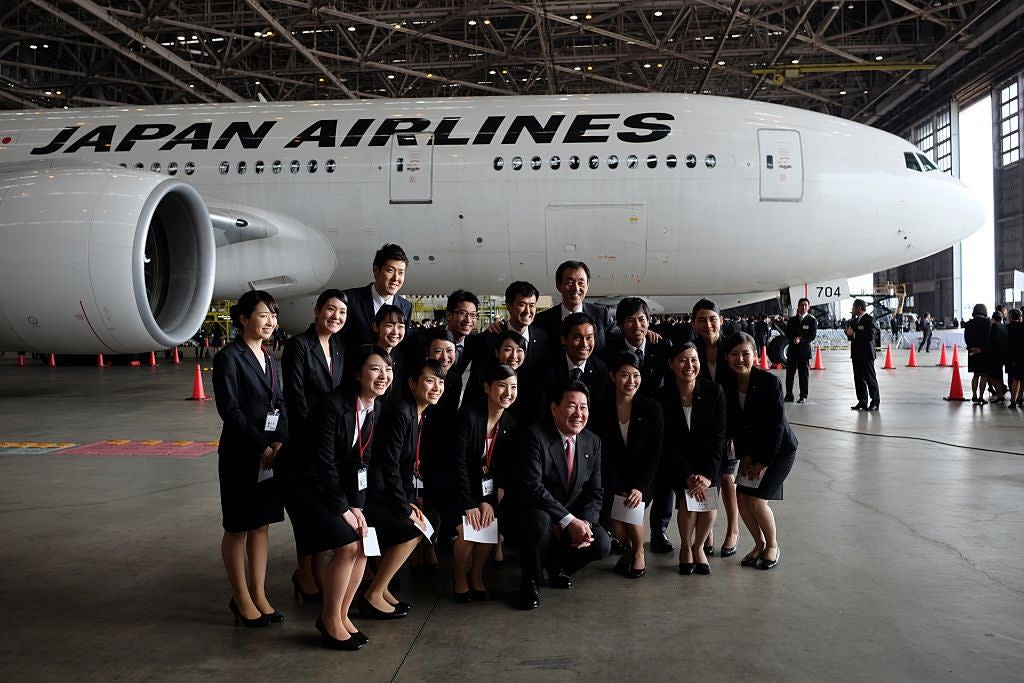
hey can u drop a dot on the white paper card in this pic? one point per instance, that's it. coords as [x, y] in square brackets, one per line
[361, 479]
[625, 514]
[749, 482]
[427, 529]
[271, 424]
[371, 548]
[710, 501]
[267, 473]
[488, 534]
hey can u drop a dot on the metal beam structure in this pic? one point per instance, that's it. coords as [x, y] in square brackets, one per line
[161, 51]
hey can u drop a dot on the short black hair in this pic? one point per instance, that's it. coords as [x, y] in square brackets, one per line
[520, 288]
[980, 310]
[629, 306]
[622, 359]
[364, 352]
[516, 338]
[562, 390]
[803, 299]
[431, 365]
[739, 338]
[1016, 315]
[496, 373]
[573, 319]
[459, 296]
[679, 348]
[435, 333]
[860, 303]
[571, 265]
[388, 313]
[389, 252]
[329, 294]
[248, 302]
[706, 305]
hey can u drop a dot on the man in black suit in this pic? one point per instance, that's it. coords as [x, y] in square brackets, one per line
[762, 333]
[926, 333]
[389, 264]
[561, 496]
[861, 332]
[633, 317]
[578, 361]
[801, 330]
[572, 279]
[460, 316]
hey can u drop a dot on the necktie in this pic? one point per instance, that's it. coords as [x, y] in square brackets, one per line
[640, 354]
[575, 375]
[458, 353]
[569, 459]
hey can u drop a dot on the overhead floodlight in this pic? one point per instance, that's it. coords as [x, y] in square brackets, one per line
[351, 28]
[576, 68]
[842, 92]
[471, 22]
[658, 13]
[573, 17]
[721, 62]
[795, 61]
[182, 38]
[391, 77]
[588, 15]
[430, 75]
[34, 46]
[879, 58]
[647, 66]
[487, 22]
[257, 82]
[660, 65]
[590, 68]
[492, 72]
[48, 92]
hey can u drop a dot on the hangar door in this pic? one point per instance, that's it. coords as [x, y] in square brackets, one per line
[610, 238]
[412, 172]
[782, 165]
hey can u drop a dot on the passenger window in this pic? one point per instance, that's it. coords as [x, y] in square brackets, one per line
[652, 161]
[140, 166]
[124, 165]
[258, 167]
[190, 167]
[242, 167]
[517, 163]
[295, 166]
[574, 162]
[224, 167]
[275, 167]
[691, 161]
[499, 163]
[710, 161]
[536, 163]
[594, 162]
[556, 163]
[172, 168]
[155, 168]
[330, 166]
[613, 161]
[311, 166]
[910, 159]
[631, 161]
[670, 161]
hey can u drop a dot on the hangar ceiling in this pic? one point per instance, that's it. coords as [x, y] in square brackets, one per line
[853, 58]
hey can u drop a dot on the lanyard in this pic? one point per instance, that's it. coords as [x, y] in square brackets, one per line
[273, 377]
[490, 448]
[419, 441]
[359, 434]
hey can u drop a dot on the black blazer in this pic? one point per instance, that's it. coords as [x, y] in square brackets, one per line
[1015, 345]
[633, 464]
[467, 452]
[307, 382]
[360, 315]
[760, 429]
[335, 468]
[807, 329]
[529, 375]
[545, 484]
[391, 469]
[723, 373]
[244, 394]
[550, 321]
[654, 371]
[699, 447]
[595, 376]
[862, 346]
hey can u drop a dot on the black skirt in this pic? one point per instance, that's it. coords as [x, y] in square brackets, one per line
[393, 528]
[316, 527]
[774, 476]
[246, 505]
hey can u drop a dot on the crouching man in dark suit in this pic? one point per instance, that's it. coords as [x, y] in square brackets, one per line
[561, 496]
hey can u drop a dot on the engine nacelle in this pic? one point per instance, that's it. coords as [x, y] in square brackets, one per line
[101, 259]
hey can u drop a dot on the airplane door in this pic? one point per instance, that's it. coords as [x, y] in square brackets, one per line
[610, 238]
[782, 165]
[412, 173]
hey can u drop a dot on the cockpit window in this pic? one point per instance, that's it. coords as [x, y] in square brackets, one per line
[927, 164]
[910, 159]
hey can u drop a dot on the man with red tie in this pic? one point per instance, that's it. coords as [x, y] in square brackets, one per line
[561, 496]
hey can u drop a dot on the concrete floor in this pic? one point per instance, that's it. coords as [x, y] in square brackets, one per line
[901, 558]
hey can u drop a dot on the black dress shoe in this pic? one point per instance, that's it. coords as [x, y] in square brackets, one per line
[802, 399]
[859, 406]
[765, 563]
[618, 547]
[480, 596]
[632, 573]
[331, 643]
[529, 595]
[789, 398]
[360, 637]
[660, 543]
[463, 598]
[368, 611]
[709, 550]
[258, 622]
[702, 568]
[561, 580]
[275, 617]
[402, 607]
[873, 408]
[686, 568]
[725, 552]
[315, 598]
[749, 561]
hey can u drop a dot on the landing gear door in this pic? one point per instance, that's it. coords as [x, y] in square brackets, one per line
[412, 169]
[782, 165]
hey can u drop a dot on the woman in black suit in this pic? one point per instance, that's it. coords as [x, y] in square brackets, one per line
[335, 483]
[977, 337]
[695, 415]
[394, 484]
[312, 367]
[508, 346]
[765, 445]
[389, 328]
[631, 429]
[1015, 358]
[247, 386]
[482, 436]
[714, 364]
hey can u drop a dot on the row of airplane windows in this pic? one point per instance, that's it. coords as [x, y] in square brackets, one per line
[594, 162]
[189, 167]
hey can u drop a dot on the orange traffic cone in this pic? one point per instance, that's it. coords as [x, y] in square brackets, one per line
[764, 358]
[176, 359]
[198, 392]
[943, 363]
[99, 361]
[152, 360]
[956, 359]
[888, 359]
[912, 363]
[21, 359]
[817, 360]
[956, 390]
[51, 361]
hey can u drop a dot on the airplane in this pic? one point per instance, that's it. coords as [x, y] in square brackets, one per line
[120, 225]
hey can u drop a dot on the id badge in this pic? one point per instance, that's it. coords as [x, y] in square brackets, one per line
[361, 479]
[487, 485]
[417, 483]
[807, 327]
[271, 424]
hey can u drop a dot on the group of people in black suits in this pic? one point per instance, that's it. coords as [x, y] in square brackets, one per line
[996, 346]
[557, 427]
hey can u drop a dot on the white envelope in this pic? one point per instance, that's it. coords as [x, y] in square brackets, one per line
[622, 513]
[429, 530]
[371, 548]
[710, 501]
[488, 534]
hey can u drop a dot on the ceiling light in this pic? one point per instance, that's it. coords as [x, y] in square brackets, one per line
[647, 66]
[660, 65]
[191, 86]
[524, 80]
[576, 68]
[197, 37]
[504, 71]
[391, 77]
[266, 34]
[590, 68]
[658, 13]
[588, 15]
[879, 58]
[842, 92]
[321, 79]
[182, 38]
[45, 45]
[735, 35]
[795, 61]
[487, 22]
[573, 17]
[721, 63]
[430, 75]
[58, 92]
[850, 6]
[34, 46]
[866, 92]
[351, 28]
[257, 82]
[492, 72]
[48, 92]
[472, 22]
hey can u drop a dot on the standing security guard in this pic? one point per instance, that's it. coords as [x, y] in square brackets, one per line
[861, 332]
[801, 331]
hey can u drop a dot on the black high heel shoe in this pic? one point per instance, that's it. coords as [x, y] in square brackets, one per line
[332, 643]
[368, 611]
[360, 637]
[686, 568]
[480, 596]
[275, 617]
[317, 597]
[258, 622]
[749, 561]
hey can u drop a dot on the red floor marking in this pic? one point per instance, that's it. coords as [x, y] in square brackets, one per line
[171, 449]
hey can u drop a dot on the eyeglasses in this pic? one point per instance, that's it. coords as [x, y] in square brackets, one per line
[464, 315]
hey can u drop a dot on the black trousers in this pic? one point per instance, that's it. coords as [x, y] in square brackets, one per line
[544, 548]
[662, 505]
[793, 365]
[864, 381]
[926, 339]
